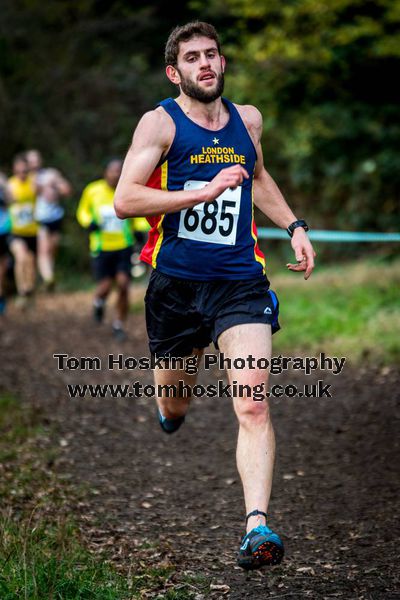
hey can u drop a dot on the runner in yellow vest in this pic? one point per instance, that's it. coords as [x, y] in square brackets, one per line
[141, 228]
[111, 242]
[23, 229]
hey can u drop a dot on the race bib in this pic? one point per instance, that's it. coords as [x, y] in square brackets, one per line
[213, 222]
[109, 220]
[22, 214]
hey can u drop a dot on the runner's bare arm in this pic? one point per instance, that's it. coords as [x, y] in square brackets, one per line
[267, 196]
[7, 195]
[63, 185]
[269, 199]
[54, 179]
[151, 141]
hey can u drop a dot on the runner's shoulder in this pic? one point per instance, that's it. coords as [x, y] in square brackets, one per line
[157, 125]
[252, 117]
[93, 186]
[13, 185]
[47, 176]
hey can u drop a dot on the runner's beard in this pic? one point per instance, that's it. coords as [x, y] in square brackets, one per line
[206, 96]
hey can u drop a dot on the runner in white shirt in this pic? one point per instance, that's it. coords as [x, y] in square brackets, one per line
[51, 187]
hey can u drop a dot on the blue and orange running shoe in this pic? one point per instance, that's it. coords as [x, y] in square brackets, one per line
[169, 425]
[260, 547]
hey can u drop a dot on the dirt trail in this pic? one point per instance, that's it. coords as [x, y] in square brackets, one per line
[334, 496]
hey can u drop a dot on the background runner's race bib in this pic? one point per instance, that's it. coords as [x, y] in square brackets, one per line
[22, 214]
[109, 220]
[214, 222]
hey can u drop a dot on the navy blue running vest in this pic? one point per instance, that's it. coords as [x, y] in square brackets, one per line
[211, 241]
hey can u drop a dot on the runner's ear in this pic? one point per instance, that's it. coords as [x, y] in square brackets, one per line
[173, 74]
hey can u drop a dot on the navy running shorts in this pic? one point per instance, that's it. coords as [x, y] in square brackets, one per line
[52, 226]
[30, 241]
[3, 244]
[108, 264]
[182, 315]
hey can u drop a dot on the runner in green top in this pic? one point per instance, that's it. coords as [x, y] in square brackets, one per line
[111, 242]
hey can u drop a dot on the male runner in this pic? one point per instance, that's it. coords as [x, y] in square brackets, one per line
[194, 168]
[23, 230]
[111, 242]
[51, 186]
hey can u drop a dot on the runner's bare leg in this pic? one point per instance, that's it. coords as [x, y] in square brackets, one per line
[103, 288]
[44, 259]
[172, 408]
[24, 266]
[122, 303]
[256, 441]
[47, 248]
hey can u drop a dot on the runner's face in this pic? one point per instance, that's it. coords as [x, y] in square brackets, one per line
[21, 169]
[200, 69]
[113, 173]
[34, 160]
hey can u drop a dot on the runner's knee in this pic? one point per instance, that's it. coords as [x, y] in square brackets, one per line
[19, 250]
[251, 413]
[122, 282]
[123, 287]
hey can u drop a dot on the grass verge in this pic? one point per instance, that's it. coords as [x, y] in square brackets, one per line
[43, 553]
[351, 310]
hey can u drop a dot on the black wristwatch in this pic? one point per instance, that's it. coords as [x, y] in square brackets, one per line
[296, 224]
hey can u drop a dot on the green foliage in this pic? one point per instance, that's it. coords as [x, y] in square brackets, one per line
[46, 561]
[76, 77]
[321, 72]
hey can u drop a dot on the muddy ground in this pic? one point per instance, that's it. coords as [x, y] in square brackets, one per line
[177, 499]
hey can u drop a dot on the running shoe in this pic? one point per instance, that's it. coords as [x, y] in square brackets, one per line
[169, 425]
[98, 311]
[260, 547]
[119, 333]
[24, 301]
[49, 286]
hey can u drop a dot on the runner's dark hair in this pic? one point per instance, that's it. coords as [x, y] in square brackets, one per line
[183, 33]
[20, 157]
[110, 160]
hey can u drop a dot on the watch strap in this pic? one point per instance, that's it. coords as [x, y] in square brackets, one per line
[295, 225]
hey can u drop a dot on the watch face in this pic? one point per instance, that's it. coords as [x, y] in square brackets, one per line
[300, 224]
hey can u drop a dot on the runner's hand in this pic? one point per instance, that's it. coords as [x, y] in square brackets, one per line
[304, 253]
[231, 177]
